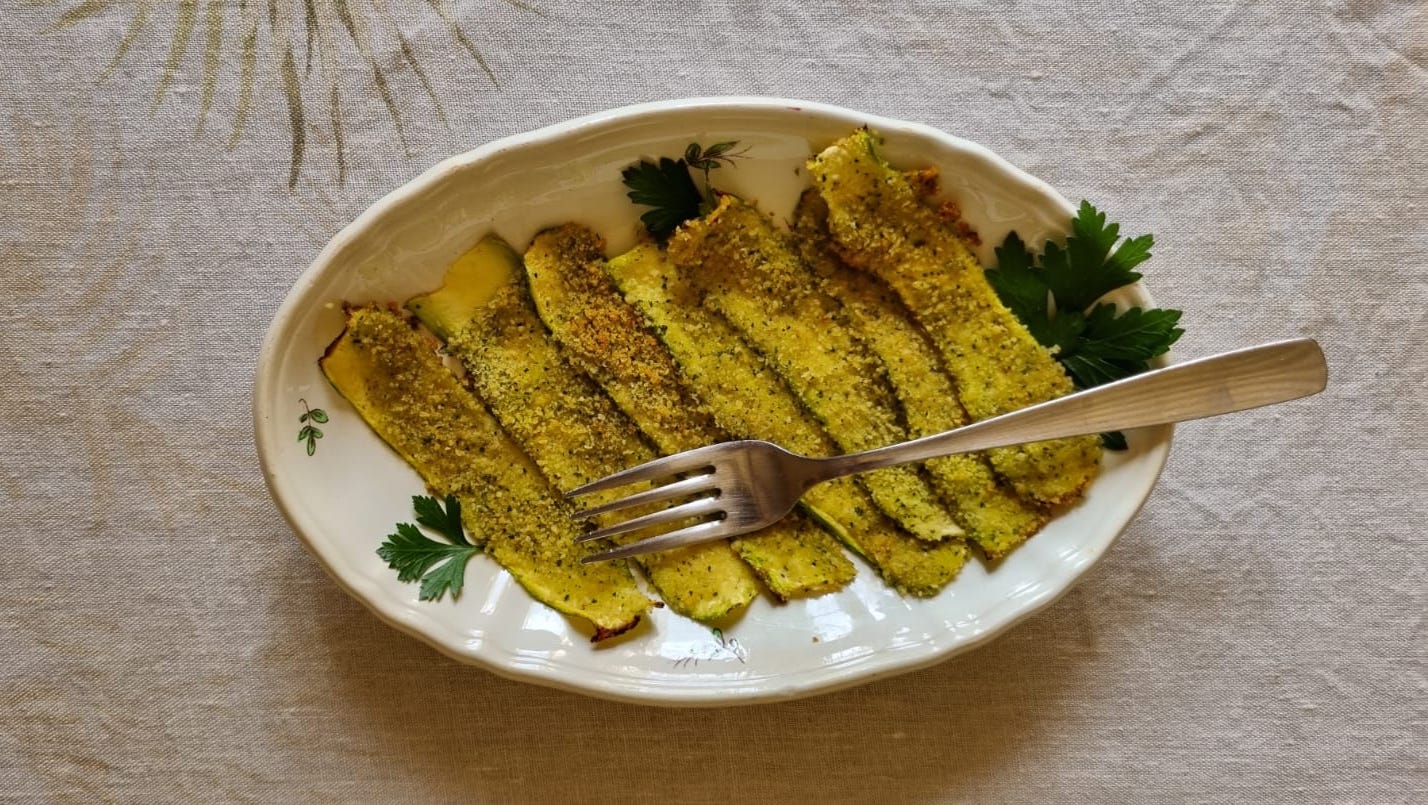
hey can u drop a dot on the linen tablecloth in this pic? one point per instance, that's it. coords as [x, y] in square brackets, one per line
[168, 168]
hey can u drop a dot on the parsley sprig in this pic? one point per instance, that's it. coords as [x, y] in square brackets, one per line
[1056, 298]
[441, 566]
[668, 188]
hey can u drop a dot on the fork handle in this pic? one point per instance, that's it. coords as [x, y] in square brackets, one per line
[1219, 384]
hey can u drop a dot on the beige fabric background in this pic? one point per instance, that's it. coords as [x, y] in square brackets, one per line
[1257, 636]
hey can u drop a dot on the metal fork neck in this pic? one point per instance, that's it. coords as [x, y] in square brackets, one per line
[1220, 384]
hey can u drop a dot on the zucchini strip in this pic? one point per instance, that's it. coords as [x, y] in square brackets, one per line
[575, 434]
[881, 226]
[396, 382]
[751, 275]
[605, 338]
[995, 518]
[752, 402]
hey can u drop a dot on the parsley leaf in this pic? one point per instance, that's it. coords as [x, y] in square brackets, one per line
[1114, 440]
[1086, 269]
[1017, 282]
[441, 566]
[1051, 296]
[1131, 337]
[668, 188]
[448, 577]
[447, 523]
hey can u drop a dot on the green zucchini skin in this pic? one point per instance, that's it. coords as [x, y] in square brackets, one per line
[469, 282]
[751, 402]
[993, 516]
[882, 225]
[604, 337]
[392, 376]
[749, 272]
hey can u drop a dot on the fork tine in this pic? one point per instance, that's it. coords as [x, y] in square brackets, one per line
[687, 461]
[700, 532]
[687, 486]
[694, 508]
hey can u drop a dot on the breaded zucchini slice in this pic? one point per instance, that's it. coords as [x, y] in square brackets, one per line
[607, 339]
[993, 516]
[750, 401]
[750, 273]
[882, 226]
[396, 382]
[561, 419]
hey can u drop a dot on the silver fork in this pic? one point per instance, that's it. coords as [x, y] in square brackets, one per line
[738, 487]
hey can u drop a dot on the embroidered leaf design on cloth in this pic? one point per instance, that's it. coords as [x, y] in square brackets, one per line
[313, 60]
